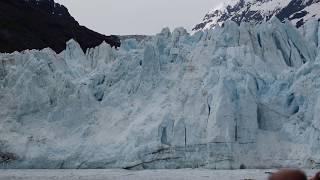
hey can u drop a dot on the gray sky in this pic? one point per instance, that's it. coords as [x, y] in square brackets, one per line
[137, 16]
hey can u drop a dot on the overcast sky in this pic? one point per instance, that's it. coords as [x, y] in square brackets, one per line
[137, 16]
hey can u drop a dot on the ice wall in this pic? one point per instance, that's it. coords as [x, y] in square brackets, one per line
[224, 98]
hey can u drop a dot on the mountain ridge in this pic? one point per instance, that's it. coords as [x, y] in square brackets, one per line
[34, 24]
[257, 11]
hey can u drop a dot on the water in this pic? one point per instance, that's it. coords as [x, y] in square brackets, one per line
[182, 174]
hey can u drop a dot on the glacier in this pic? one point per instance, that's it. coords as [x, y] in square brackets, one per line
[232, 97]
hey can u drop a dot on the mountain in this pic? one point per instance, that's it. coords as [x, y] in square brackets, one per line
[227, 98]
[257, 11]
[37, 24]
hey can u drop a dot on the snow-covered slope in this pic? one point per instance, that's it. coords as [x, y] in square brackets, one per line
[231, 97]
[257, 11]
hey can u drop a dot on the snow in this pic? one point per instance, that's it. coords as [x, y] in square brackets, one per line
[223, 5]
[269, 5]
[217, 99]
[313, 11]
[182, 174]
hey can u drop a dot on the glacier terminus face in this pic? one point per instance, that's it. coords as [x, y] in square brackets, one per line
[230, 97]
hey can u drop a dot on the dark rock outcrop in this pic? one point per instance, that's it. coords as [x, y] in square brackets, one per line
[34, 24]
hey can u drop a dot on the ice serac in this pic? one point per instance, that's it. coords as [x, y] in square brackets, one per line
[231, 97]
